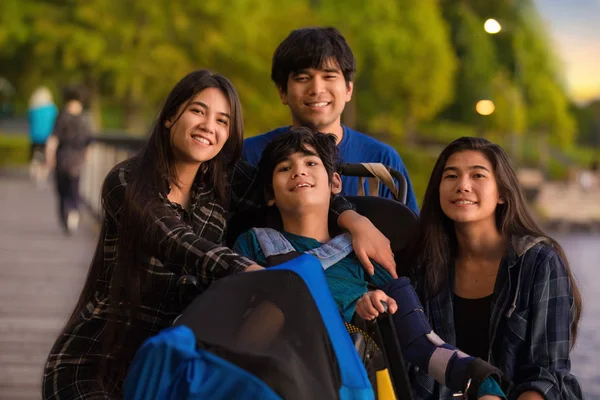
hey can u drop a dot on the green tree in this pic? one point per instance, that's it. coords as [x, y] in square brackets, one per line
[478, 62]
[405, 61]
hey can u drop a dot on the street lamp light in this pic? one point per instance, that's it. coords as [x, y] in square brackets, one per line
[492, 26]
[485, 107]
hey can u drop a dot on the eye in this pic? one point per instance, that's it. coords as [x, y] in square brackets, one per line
[197, 111]
[223, 121]
[283, 168]
[478, 176]
[311, 163]
[301, 78]
[330, 77]
[450, 176]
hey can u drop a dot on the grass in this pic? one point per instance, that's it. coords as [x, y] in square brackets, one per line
[14, 150]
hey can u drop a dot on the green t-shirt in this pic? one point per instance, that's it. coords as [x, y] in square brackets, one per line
[346, 279]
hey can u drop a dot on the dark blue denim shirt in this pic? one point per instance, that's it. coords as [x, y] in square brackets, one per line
[529, 332]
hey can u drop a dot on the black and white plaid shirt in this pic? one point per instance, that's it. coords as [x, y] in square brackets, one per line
[189, 243]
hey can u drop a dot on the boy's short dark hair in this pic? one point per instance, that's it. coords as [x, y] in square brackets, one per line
[293, 141]
[75, 92]
[311, 48]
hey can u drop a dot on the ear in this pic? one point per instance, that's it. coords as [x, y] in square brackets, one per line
[283, 96]
[271, 202]
[501, 200]
[349, 90]
[336, 183]
[168, 124]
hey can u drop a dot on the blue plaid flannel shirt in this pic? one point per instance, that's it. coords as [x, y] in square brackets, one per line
[532, 311]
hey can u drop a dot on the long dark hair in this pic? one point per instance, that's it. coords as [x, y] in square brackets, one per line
[151, 172]
[438, 243]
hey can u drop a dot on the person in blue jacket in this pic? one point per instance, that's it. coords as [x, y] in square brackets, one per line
[41, 115]
[313, 69]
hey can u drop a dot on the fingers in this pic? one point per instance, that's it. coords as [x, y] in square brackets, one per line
[366, 262]
[376, 299]
[392, 305]
[365, 309]
[386, 260]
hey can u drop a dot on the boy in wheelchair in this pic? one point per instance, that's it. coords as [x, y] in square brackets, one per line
[298, 174]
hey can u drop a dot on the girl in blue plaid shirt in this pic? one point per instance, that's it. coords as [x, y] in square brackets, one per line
[493, 283]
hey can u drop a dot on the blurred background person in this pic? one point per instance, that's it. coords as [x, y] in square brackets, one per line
[41, 115]
[65, 152]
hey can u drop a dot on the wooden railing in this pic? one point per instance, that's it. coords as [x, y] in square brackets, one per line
[106, 151]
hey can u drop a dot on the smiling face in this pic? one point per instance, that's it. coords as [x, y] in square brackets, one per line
[317, 97]
[301, 183]
[200, 129]
[468, 190]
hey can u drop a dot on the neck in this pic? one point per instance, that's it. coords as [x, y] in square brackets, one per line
[180, 190]
[480, 244]
[311, 225]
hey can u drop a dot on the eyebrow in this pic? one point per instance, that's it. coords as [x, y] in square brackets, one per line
[201, 104]
[326, 69]
[471, 168]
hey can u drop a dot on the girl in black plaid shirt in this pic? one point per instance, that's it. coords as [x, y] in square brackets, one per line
[165, 216]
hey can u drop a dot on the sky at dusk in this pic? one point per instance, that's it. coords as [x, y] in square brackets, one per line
[574, 26]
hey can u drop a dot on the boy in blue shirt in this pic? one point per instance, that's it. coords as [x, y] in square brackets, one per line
[313, 69]
[298, 173]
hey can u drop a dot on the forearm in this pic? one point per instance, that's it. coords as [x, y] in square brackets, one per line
[51, 146]
[187, 253]
[348, 219]
[166, 237]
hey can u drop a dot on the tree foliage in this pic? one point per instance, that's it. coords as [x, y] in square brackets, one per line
[418, 60]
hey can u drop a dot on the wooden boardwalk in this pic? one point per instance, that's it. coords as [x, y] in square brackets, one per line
[41, 274]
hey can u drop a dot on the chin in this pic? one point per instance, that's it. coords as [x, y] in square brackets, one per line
[461, 219]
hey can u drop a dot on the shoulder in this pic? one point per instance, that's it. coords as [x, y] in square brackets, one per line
[535, 253]
[115, 184]
[372, 148]
[242, 172]
[247, 245]
[264, 138]
[542, 264]
[118, 176]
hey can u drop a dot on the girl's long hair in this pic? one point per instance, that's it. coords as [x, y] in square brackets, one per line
[151, 172]
[438, 243]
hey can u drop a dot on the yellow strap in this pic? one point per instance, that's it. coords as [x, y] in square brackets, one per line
[385, 390]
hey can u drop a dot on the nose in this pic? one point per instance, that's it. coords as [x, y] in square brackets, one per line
[298, 171]
[317, 86]
[463, 185]
[208, 124]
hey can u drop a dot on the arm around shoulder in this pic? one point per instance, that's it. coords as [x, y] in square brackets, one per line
[166, 237]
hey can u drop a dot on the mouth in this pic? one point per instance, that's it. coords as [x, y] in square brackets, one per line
[318, 104]
[301, 185]
[201, 139]
[464, 202]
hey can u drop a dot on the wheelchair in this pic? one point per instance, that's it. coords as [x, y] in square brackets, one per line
[280, 328]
